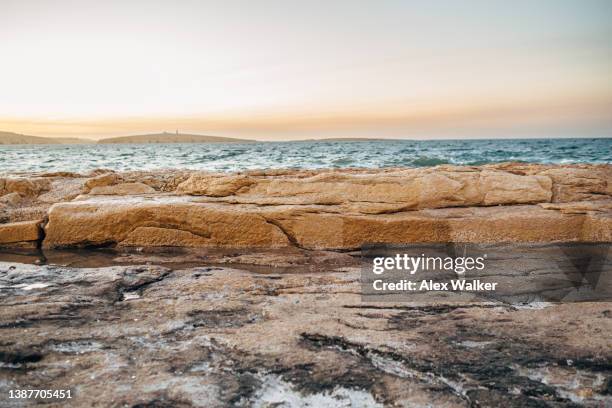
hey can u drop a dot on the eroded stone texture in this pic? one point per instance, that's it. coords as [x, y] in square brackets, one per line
[26, 233]
[496, 224]
[169, 221]
[24, 186]
[199, 184]
[123, 189]
[12, 199]
[293, 330]
[326, 209]
[102, 180]
[413, 189]
[208, 336]
[580, 184]
[173, 221]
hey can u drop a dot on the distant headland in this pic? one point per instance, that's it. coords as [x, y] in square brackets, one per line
[7, 138]
[164, 137]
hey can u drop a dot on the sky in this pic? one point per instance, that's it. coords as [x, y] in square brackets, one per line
[282, 70]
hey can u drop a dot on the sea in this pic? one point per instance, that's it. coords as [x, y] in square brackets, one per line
[231, 157]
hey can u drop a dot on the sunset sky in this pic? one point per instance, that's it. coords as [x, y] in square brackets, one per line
[281, 70]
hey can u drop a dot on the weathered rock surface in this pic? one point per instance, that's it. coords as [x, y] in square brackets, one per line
[26, 233]
[340, 209]
[167, 221]
[580, 184]
[172, 221]
[102, 180]
[122, 189]
[12, 199]
[413, 189]
[200, 184]
[24, 186]
[183, 331]
[208, 336]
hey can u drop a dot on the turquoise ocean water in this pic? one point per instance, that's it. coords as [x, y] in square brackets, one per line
[328, 154]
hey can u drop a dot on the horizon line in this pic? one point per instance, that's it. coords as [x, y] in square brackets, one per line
[308, 139]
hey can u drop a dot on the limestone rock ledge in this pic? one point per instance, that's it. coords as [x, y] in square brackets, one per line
[168, 221]
[326, 209]
[22, 234]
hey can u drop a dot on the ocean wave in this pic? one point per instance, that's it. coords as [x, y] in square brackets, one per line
[425, 161]
[224, 157]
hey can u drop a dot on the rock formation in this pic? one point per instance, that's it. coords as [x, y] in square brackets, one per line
[256, 298]
[333, 209]
[154, 336]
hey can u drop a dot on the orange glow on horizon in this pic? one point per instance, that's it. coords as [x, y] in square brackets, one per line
[273, 72]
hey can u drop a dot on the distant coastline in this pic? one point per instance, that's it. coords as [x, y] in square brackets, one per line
[10, 138]
[166, 137]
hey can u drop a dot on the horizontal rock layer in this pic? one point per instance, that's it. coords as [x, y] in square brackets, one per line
[410, 189]
[168, 221]
[340, 209]
[25, 232]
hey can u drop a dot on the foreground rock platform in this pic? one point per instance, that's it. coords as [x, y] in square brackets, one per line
[215, 336]
[256, 301]
[322, 209]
